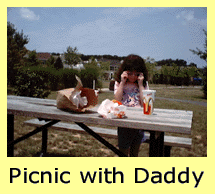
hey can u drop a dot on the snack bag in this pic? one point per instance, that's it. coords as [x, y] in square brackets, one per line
[111, 109]
[77, 99]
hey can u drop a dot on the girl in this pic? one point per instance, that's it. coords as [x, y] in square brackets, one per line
[130, 80]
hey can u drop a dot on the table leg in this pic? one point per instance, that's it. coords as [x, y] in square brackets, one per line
[156, 145]
[45, 136]
[10, 134]
[167, 151]
[44, 141]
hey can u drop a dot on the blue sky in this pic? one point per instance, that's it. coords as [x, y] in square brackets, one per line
[159, 33]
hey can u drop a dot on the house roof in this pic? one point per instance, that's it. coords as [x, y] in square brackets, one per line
[43, 56]
[112, 61]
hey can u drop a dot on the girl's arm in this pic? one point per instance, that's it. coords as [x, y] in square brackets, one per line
[118, 90]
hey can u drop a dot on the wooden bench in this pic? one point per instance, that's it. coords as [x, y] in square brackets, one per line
[169, 141]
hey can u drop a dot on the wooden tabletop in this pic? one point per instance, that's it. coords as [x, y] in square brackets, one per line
[165, 120]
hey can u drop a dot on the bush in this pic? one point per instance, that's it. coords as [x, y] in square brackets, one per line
[31, 84]
[44, 72]
[38, 81]
[88, 75]
[55, 79]
[49, 75]
[68, 77]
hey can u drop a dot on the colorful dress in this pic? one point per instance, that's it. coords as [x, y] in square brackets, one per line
[130, 98]
[131, 95]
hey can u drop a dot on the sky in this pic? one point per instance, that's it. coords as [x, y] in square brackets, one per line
[155, 32]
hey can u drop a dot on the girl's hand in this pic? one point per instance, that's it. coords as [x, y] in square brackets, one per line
[140, 79]
[124, 76]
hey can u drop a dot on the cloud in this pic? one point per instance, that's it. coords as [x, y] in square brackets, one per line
[129, 13]
[187, 16]
[28, 14]
[178, 16]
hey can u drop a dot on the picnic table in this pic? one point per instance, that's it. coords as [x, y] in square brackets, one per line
[157, 124]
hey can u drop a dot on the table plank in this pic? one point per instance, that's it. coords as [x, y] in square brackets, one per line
[164, 120]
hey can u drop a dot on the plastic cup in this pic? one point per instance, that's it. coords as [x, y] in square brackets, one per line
[148, 100]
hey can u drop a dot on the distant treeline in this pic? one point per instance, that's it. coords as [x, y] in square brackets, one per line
[177, 62]
[87, 57]
[167, 62]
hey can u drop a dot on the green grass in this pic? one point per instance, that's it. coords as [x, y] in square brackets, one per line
[190, 93]
[76, 145]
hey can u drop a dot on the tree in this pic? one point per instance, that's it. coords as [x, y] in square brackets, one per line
[32, 59]
[166, 74]
[192, 65]
[16, 50]
[58, 64]
[51, 61]
[105, 66]
[170, 62]
[149, 60]
[201, 54]
[151, 70]
[204, 88]
[90, 73]
[72, 56]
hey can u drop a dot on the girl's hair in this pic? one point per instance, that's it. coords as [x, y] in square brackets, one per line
[133, 63]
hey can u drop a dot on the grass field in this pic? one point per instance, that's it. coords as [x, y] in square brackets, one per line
[76, 145]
